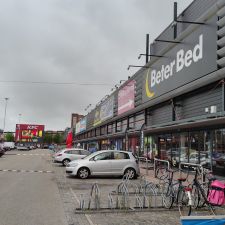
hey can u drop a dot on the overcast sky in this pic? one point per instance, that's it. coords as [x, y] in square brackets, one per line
[70, 41]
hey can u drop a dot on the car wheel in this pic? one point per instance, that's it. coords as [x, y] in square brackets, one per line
[131, 173]
[65, 162]
[83, 173]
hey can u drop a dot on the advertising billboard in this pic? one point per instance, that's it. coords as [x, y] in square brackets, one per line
[194, 57]
[29, 133]
[104, 111]
[81, 125]
[126, 97]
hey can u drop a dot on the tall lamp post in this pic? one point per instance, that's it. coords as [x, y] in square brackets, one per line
[19, 117]
[6, 102]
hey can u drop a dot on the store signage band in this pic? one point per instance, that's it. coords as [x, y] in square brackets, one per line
[191, 59]
[183, 60]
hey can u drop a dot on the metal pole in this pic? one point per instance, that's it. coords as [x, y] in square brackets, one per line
[6, 100]
[19, 117]
[175, 20]
[147, 47]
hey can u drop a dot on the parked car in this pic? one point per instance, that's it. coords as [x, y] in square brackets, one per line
[22, 147]
[67, 155]
[106, 162]
[8, 146]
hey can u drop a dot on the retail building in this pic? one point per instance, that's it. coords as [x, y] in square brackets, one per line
[173, 107]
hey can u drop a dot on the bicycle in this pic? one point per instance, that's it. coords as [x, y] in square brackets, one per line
[176, 192]
[200, 192]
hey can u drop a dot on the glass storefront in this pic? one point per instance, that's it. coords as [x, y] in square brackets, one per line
[205, 147]
[218, 151]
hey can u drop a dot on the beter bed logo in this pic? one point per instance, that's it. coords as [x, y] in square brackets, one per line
[183, 60]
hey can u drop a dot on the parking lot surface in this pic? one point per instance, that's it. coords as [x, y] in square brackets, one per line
[36, 191]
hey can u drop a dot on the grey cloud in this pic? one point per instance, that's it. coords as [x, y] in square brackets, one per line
[70, 40]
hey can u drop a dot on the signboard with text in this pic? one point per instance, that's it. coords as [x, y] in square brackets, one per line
[29, 133]
[126, 97]
[187, 61]
[104, 111]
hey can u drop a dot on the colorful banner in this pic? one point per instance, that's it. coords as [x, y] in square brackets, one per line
[126, 97]
[81, 125]
[97, 119]
[29, 133]
[107, 109]
[104, 111]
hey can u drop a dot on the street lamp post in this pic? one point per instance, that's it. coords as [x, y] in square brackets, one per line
[6, 101]
[19, 117]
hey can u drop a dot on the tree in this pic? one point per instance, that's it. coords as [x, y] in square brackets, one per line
[9, 137]
[58, 138]
[47, 138]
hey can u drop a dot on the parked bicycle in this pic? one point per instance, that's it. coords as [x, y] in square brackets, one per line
[175, 192]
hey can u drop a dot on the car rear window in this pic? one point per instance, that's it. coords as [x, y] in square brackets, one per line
[121, 155]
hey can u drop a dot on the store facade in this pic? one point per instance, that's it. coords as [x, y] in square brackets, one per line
[174, 107]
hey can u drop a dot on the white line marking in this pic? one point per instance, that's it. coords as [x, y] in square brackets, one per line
[87, 216]
[4, 170]
[14, 170]
[89, 219]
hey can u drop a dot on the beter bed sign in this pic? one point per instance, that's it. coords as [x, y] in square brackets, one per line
[194, 57]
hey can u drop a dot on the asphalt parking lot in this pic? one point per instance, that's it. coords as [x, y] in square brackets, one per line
[36, 191]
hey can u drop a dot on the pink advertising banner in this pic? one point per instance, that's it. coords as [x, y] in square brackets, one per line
[126, 97]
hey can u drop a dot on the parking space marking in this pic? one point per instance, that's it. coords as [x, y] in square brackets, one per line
[34, 154]
[27, 171]
[87, 216]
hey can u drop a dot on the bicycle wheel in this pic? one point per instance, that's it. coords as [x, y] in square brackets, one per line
[167, 196]
[195, 197]
[183, 203]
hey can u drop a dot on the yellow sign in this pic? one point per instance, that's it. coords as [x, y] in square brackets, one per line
[148, 91]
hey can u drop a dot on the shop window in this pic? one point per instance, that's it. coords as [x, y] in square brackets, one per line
[131, 122]
[165, 146]
[218, 154]
[98, 132]
[151, 147]
[183, 148]
[124, 125]
[110, 129]
[103, 130]
[139, 121]
[118, 126]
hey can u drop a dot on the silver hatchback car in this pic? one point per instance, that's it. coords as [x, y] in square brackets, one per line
[106, 162]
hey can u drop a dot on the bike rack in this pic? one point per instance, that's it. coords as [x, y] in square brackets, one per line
[95, 195]
[160, 160]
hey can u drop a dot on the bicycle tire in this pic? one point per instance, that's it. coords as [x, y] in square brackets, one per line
[167, 196]
[195, 197]
[183, 203]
